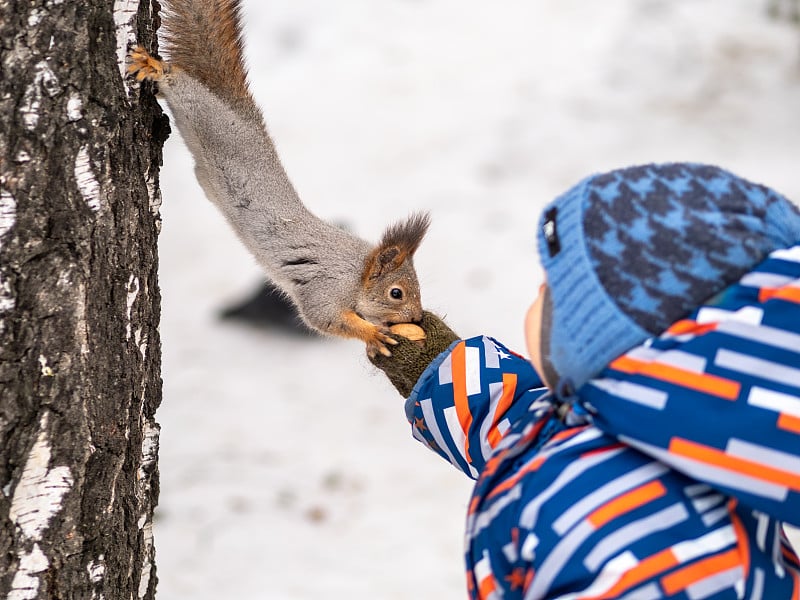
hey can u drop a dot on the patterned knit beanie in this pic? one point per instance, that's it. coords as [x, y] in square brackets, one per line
[629, 252]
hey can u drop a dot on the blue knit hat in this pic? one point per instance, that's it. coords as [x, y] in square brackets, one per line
[629, 252]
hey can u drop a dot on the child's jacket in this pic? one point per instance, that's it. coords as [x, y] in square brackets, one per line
[667, 476]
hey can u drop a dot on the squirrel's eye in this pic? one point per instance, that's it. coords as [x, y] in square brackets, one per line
[396, 293]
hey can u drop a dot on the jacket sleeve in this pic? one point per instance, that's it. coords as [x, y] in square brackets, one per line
[717, 396]
[467, 399]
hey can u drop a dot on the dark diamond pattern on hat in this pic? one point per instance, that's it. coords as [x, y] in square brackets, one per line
[664, 238]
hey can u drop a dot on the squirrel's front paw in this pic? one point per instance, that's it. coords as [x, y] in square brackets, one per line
[351, 325]
[377, 342]
[143, 66]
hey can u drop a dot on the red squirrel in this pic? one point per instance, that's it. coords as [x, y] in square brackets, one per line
[341, 284]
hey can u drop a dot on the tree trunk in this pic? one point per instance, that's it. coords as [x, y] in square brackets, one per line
[80, 353]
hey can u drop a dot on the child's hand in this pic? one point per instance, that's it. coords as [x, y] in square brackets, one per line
[410, 357]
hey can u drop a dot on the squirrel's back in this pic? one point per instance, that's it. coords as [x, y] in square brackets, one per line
[204, 38]
[341, 284]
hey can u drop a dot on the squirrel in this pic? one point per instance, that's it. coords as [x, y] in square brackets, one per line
[341, 284]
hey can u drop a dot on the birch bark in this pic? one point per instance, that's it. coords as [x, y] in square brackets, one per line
[80, 353]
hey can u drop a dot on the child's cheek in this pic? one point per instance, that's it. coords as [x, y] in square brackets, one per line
[533, 327]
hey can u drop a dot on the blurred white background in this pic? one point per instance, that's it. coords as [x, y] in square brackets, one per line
[287, 467]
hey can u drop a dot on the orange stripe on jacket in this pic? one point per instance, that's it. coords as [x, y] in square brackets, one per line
[473, 505]
[789, 423]
[528, 579]
[766, 293]
[718, 458]
[742, 540]
[509, 389]
[790, 557]
[790, 293]
[596, 451]
[458, 359]
[645, 569]
[567, 434]
[512, 481]
[487, 587]
[702, 569]
[626, 503]
[702, 382]
[687, 326]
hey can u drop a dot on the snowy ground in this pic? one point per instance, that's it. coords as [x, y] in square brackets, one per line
[287, 467]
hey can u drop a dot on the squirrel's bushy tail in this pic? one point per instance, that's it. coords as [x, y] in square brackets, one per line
[203, 38]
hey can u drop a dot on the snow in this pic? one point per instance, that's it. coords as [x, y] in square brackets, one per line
[287, 468]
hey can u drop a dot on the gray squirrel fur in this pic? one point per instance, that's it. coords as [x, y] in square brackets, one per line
[341, 284]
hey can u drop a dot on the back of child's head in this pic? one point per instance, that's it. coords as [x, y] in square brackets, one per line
[629, 252]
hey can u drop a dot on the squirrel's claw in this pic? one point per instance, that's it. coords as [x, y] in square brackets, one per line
[376, 337]
[143, 66]
[378, 341]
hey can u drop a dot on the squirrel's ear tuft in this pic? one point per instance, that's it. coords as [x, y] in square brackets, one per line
[398, 244]
[406, 235]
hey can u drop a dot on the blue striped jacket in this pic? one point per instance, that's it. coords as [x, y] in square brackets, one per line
[670, 475]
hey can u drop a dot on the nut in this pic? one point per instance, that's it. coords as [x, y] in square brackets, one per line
[408, 331]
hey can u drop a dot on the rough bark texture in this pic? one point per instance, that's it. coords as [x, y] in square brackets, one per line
[79, 301]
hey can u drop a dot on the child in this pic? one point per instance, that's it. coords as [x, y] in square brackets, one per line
[654, 450]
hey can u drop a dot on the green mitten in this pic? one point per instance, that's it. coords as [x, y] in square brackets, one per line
[409, 359]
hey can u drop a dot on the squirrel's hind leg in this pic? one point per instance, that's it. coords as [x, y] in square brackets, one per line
[143, 66]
